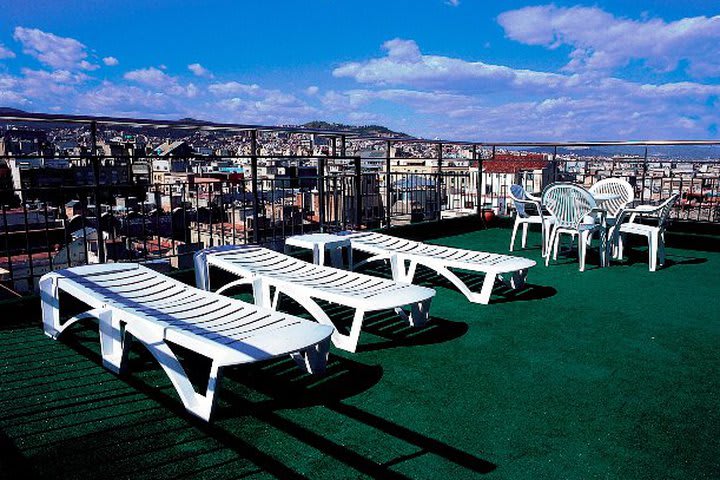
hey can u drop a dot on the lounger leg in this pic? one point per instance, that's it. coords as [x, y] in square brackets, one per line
[410, 273]
[420, 313]
[517, 280]
[351, 340]
[50, 304]
[397, 265]
[487, 288]
[261, 293]
[112, 342]
[195, 403]
[314, 359]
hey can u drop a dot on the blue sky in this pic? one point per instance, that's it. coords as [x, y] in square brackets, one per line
[451, 69]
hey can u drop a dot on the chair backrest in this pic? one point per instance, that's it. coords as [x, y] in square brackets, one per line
[568, 203]
[517, 192]
[664, 210]
[615, 186]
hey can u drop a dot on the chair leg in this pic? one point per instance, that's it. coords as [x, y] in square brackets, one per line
[582, 249]
[524, 234]
[661, 249]
[514, 232]
[551, 243]
[652, 251]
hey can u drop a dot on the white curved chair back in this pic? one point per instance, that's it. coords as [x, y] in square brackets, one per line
[517, 194]
[664, 210]
[615, 186]
[568, 203]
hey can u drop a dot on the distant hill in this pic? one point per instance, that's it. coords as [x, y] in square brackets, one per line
[11, 111]
[364, 130]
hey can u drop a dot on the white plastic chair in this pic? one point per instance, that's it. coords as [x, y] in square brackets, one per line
[614, 186]
[655, 234]
[576, 214]
[521, 198]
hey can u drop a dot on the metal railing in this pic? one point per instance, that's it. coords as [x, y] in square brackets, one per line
[117, 208]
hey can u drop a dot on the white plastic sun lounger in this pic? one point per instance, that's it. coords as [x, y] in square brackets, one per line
[130, 300]
[306, 282]
[509, 269]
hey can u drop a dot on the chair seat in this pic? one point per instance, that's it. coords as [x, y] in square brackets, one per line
[638, 228]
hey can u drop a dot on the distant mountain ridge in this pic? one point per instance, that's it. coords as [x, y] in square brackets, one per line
[363, 130]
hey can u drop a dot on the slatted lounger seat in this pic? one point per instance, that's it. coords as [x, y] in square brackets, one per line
[130, 300]
[509, 269]
[306, 282]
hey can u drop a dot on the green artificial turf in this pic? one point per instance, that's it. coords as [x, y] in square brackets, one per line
[609, 373]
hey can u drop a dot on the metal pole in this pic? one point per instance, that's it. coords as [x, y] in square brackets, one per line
[480, 189]
[439, 180]
[96, 171]
[254, 185]
[321, 192]
[387, 183]
[358, 192]
[645, 166]
[478, 206]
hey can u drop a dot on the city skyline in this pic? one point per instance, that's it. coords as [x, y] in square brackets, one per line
[446, 68]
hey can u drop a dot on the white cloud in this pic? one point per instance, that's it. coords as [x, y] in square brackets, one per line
[404, 64]
[199, 70]
[54, 51]
[312, 90]
[601, 41]
[150, 76]
[114, 99]
[453, 3]
[111, 61]
[234, 88]
[6, 52]
[159, 80]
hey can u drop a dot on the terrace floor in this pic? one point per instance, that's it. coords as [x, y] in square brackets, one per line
[610, 373]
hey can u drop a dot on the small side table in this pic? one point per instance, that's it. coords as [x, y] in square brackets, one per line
[319, 243]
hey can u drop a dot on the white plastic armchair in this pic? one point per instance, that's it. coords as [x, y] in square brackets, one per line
[521, 199]
[576, 214]
[614, 186]
[655, 234]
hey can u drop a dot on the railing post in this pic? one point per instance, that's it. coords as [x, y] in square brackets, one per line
[254, 185]
[555, 166]
[645, 167]
[388, 179]
[478, 184]
[96, 171]
[438, 185]
[321, 192]
[358, 192]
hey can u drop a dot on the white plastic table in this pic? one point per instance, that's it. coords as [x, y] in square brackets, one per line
[319, 243]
